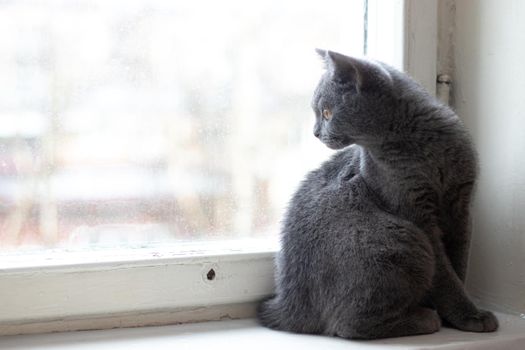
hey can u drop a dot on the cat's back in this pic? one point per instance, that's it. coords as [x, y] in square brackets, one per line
[325, 181]
[449, 147]
[326, 196]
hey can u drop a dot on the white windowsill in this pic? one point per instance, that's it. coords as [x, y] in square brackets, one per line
[133, 287]
[241, 334]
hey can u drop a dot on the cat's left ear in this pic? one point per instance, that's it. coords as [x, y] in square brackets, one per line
[340, 67]
[354, 71]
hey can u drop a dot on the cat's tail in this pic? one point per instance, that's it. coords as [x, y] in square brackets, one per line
[275, 313]
[268, 313]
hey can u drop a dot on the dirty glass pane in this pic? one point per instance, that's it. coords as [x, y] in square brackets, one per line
[130, 123]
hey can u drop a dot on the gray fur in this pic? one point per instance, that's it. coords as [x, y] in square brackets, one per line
[375, 241]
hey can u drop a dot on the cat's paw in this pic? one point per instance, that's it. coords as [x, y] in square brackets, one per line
[428, 320]
[482, 321]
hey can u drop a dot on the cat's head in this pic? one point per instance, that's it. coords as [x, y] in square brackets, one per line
[353, 101]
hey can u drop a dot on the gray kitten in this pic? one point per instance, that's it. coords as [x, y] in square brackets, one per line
[375, 241]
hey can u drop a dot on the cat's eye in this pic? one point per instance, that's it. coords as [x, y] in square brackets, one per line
[327, 114]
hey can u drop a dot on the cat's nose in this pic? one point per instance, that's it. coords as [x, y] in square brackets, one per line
[316, 133]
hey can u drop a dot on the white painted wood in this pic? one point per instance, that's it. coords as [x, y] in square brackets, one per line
[18, 261]
[162, 280]
[246, 334]
[446, 37]
[420, 41]
[131, 319]
[488, 92]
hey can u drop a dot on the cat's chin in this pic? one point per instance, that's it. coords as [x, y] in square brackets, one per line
[338, 144]
[335, 147]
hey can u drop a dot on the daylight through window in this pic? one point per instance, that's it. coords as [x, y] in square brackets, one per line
[130, 123]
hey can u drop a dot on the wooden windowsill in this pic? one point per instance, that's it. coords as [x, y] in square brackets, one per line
[247, 334]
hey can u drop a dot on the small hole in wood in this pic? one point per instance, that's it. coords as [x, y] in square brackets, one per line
[210, 275]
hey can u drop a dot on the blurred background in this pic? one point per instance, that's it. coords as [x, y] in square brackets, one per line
[134, 123]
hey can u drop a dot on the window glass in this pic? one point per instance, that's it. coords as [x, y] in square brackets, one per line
[131, 123]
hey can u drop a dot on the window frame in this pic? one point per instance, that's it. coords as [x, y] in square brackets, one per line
[134, 286]
[151, 286]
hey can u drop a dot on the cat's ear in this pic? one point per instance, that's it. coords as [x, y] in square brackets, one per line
[323, 54]
[353, 71]
[344, 69]
[341, 68]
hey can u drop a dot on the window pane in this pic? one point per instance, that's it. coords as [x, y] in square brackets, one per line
[128, 123]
